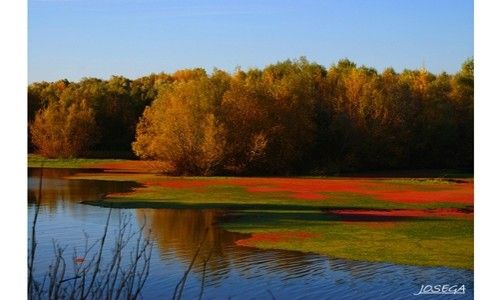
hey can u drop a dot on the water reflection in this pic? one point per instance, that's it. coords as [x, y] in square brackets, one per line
[180, 233]
[184, 230]
[232, 271]
[58, 191]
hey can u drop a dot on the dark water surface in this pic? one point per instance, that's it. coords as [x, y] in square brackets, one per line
[232, 272]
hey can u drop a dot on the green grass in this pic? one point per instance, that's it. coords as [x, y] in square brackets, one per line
[37, 161]
[427, 242]
[237, 198]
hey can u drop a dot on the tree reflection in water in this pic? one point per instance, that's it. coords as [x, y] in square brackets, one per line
[179, 232]
[57, 190]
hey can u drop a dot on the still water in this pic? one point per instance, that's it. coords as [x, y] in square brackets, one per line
[232, 272]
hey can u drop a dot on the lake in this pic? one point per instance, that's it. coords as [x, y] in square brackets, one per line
[232, 272]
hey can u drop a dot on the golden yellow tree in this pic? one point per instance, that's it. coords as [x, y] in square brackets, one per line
[63, 130]
[180, 129]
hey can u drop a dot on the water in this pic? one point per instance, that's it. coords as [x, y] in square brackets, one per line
[232, 271]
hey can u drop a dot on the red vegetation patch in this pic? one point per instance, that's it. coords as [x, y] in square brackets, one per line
[274, 237]
[300, 188]
[181, 184]
[315, 189]
[308, 189]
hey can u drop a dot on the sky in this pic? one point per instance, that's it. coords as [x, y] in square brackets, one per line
[99, 38]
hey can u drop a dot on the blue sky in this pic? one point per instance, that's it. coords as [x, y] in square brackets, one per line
[99, 38]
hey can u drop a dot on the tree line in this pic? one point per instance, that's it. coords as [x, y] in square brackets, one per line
[292, 117]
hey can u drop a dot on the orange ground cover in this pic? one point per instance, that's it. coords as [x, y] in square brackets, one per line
[314, 189]
[311, 188]
[274, 237]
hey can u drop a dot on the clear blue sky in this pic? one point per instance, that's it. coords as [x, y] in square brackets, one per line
[99, 38]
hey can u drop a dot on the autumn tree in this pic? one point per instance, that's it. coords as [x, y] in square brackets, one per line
[291, 95]
[64, 130]
[181, 129]
[291, 117]
[244, 111]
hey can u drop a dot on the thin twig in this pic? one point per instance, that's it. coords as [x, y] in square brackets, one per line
[182, 282]
[99, 256]
[31, 259]
[202, 288]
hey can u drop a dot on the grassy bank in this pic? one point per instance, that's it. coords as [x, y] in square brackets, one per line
[37, 161]
[417, 222]
[404, 220]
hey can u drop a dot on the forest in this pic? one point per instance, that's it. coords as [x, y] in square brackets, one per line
[293, 117]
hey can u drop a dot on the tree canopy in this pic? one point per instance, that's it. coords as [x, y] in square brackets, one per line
[292, 117]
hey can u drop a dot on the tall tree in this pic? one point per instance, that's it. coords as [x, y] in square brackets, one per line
[181, 129]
